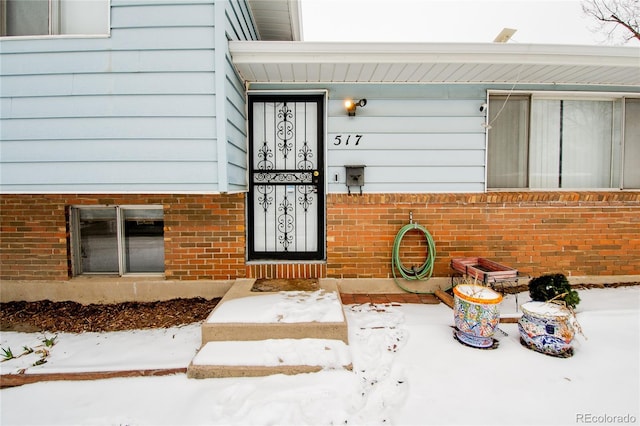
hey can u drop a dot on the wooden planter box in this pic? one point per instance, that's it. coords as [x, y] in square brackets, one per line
[483, 270]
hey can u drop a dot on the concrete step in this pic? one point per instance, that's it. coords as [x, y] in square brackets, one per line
[246, 315]
[265, 357]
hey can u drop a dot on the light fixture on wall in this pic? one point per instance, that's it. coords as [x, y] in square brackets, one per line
[350, 105]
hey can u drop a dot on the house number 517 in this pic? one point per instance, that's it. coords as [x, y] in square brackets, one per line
[346, 139]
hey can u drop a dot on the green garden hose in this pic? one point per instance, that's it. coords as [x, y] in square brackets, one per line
[414, 273]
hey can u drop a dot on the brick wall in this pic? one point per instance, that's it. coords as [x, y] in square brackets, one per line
[33, 238]
[589, 233]
[204, 234]
[205, 237]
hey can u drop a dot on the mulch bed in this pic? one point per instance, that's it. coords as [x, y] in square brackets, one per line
[285, 284]
[512, 289]
[77, 318]
[74, 317]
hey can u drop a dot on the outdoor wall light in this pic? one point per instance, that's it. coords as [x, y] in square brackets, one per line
[351, 105]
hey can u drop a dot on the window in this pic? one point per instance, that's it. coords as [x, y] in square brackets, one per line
[508, 142]
[117, 240]
[552, 143]
[631, 176]
[52, 17]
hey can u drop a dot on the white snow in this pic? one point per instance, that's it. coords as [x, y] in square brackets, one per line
[275, 352]
[283, 307]
[86, 352]
[407, 370]
[545, 309]
[479, 292]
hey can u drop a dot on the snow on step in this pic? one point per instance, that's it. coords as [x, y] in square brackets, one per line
[273, 356]
[272, 352]
[283, 307]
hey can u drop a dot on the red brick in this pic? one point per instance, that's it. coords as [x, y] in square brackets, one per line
[589, 233]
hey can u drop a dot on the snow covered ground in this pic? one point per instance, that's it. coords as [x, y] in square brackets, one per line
[408, 369]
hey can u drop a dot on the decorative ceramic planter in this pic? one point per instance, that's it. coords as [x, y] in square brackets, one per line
[476, 311]
[546, 327]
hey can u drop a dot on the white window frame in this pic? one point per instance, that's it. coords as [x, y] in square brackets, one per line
[55, 23]
[75, 244]
[562, 95]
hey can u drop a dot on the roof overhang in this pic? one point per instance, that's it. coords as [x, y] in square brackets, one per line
[331, 62]
[277, 19]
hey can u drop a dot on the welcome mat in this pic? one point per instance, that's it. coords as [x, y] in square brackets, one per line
[285, 284]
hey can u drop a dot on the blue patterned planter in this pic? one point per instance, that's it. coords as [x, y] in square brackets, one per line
[476, 311]
[546, 328]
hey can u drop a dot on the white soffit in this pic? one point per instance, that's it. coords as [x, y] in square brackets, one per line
[331, 62]
[277, 19]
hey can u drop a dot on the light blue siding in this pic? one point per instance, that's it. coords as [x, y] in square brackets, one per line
[408, 145]
[107, 84]
[109, 106]
[122, 150]
[236, 133]
[135, 111]
[412, 138]
[239, 26]
[109, 128]
[99, 174]
[160, 15]
[395, 125]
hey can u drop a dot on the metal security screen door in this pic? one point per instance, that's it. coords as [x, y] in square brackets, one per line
[286, 199]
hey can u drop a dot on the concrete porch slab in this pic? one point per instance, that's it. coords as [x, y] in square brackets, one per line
[266, 357]
[248, 316]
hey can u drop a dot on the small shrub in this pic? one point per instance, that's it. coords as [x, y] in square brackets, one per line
[49, 342]
[7, 354]
[553, 286]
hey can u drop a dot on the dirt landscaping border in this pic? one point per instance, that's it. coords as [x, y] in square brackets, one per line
[13, 380]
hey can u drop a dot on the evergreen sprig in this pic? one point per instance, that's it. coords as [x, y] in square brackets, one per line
[553, 286]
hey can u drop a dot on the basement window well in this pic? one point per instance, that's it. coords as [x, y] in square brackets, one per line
[117, 240]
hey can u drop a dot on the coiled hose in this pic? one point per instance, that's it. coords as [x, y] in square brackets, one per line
[413, 273]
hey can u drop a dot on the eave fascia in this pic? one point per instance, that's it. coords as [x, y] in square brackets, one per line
[274, 52]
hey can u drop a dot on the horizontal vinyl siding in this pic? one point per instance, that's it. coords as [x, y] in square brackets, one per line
[103, 84]
[409, 145]
[108, 128]
[133, 112]
[122, 150]
[237, 141]
[128, 15]
[240, 26]
[157, 105]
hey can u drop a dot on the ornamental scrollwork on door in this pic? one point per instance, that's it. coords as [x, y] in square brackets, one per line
[284, 177]
[305, 154]
[285, 130]
[306, 199]
[286, 224]
[264, 155]
[265, 197]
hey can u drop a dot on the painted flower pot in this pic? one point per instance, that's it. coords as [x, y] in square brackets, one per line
[476, 311]
[546, 327]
